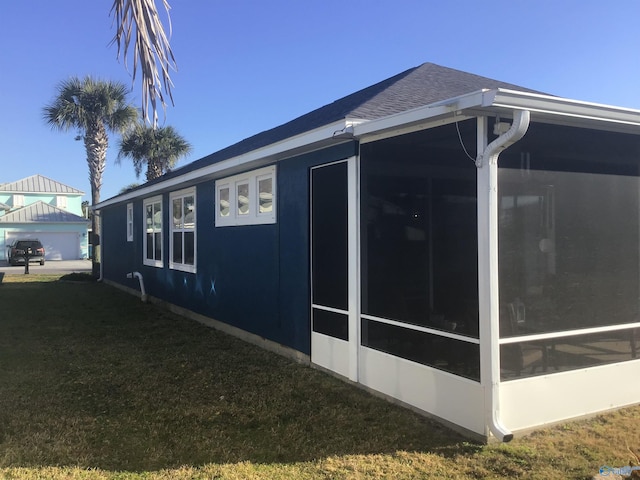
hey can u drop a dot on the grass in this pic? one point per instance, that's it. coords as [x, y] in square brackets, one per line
[95, 384]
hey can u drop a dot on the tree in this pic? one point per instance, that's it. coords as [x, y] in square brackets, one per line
[94, 108]
[156, 148]
[139, 19]
[86, 209]
[127, 188]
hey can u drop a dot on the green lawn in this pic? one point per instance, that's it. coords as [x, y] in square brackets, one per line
[96, 384]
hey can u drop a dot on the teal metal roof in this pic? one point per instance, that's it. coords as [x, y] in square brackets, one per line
[40, 212]
[38, 184]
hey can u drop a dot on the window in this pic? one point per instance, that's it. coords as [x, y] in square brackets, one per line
[153, 232]
[242, 190]
[183, 231]
[61, 201]
[130, 222]
[246, 199]
[18, 200]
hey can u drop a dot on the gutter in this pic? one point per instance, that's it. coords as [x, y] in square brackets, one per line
[488, 288]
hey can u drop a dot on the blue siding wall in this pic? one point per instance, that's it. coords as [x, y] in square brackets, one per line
[253, 277]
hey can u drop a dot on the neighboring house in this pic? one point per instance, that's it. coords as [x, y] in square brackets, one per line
[465, 246]
[38, 207]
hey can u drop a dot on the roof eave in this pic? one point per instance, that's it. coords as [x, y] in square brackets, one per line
[544, 108]
[484, 102]
[549, 109]
[322, 137]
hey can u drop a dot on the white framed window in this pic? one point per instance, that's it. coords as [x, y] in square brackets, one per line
[18, 200]
[246, 199]
[129, 222]
[61, 201]
[153, 232]
[182, 241]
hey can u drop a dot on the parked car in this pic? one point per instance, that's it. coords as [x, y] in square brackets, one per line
[17, 249]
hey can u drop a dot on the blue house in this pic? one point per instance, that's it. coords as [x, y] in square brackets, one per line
[461, 245]
[38, 207]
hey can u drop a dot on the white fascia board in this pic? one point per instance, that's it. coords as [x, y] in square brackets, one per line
[254, 158]
[557, 106]
[490, 102]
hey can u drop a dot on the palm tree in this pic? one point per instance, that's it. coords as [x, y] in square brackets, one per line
[127, 188]
[139, 19]
[156, 148]
[93, 107]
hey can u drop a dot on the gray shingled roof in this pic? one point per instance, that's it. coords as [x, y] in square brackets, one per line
[40, 212]
[413, 88]
[38, 184]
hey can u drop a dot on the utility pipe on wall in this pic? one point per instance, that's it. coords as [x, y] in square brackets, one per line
[143, 293]
[487, 163]
[101, 277]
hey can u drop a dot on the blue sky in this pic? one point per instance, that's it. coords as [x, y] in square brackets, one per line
[247, 66]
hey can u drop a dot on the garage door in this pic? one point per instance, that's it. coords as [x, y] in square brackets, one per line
[57, 245]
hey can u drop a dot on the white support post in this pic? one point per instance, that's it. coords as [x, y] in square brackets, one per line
[353, 195]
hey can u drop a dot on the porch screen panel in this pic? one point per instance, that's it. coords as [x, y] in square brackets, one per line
[329, 244]
[568, 247]
[419, 230]
[419, 248]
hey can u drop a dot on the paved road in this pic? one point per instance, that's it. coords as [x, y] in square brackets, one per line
[50, 266]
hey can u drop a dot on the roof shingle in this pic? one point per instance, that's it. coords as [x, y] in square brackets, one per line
[413, 88]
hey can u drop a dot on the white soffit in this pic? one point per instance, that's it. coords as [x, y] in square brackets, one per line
[543, 108]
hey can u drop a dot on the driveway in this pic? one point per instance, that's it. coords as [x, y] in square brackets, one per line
[50, 266]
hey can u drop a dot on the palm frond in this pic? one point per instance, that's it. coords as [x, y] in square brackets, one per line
[139, 19]
[156, 148]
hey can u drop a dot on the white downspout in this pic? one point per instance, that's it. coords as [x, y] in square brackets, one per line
[143, 293]
[487, 163]
[100, 278]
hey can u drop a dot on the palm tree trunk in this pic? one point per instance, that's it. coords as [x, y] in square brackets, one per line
[96, 142]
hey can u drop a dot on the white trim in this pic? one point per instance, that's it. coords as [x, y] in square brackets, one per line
[481, 102]
[335, 354]
[61, 201]
[537, 401]
[559, 106]
[488, 102]
[353, 264]
[253, 215]
[568, 333]
[419, 328]
[159, 263]
[451, 397]
[181, 194]
[129, 222]
[329, 309]
[305, 142]
[330, 353]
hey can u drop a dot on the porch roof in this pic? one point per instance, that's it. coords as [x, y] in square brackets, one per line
[415, 99]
